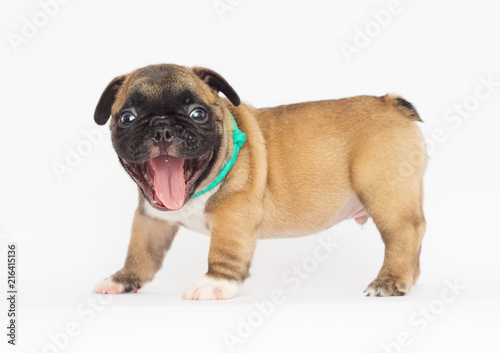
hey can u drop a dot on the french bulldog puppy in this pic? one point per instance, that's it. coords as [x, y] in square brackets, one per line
[238, 173]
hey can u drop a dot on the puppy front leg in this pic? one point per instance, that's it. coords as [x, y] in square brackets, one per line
[232, 244]
[150, 240]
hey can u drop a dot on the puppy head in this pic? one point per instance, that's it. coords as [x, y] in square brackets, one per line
[166, 127]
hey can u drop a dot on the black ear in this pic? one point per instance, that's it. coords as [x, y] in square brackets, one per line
[103, 109]
[217, 82]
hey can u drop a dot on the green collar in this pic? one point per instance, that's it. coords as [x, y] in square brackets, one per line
[239, 139]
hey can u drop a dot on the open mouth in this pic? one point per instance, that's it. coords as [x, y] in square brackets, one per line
[168, 181]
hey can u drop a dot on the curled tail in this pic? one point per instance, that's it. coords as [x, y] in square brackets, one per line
[405, 107]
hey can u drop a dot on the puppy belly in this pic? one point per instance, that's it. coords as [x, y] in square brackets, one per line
[352, 209]
[324, 216]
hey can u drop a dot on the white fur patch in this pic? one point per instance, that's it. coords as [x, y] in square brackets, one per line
[370, 292]
[191, 215]
[208, 288]
[108, 286]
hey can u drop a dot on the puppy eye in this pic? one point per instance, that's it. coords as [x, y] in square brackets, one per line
[127, 118]
[198, 114]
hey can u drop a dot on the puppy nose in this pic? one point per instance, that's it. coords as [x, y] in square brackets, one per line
[162, 135]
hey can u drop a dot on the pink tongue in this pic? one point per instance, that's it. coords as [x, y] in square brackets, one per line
[169, 182]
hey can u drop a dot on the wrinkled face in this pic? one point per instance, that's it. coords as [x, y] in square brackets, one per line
[166, 129]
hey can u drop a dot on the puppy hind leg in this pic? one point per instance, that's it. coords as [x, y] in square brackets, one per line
[416, 272]
[395, 205]
[400, 269]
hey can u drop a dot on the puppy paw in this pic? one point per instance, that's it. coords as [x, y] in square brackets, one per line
[387, 286]
[209, 288]
[109, 286]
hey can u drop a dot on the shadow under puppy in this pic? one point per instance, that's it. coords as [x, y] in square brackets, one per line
[237, 173]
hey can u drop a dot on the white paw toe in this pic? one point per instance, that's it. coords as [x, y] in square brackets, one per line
[108, 286]
[208, 288]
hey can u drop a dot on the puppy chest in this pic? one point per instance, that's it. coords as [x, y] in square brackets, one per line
[196, 222]
[191, 215]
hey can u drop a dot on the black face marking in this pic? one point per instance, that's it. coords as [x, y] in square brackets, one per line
[167, 112]
[161, 104]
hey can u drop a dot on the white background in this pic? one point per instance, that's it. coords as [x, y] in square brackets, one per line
[75, 231]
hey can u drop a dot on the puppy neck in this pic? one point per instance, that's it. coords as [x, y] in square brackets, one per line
[229, 150]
